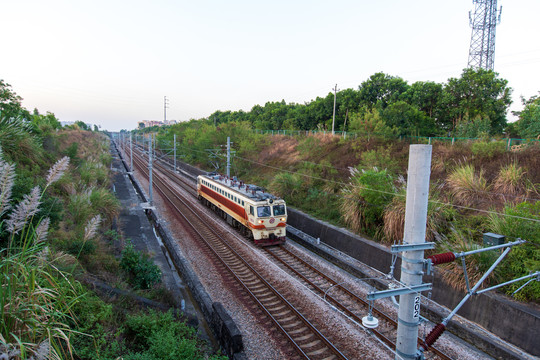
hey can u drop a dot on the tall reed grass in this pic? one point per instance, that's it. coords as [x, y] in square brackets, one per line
[36, 298]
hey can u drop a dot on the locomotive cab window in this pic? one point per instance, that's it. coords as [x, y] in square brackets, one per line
[251, 211]
[279, 210]
[263, 211]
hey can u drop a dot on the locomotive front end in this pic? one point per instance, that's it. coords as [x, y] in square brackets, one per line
[268, 222]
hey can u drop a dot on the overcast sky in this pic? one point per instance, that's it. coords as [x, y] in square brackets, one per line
[110, 62]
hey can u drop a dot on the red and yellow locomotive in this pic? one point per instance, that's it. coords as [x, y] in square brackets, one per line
[256, 213]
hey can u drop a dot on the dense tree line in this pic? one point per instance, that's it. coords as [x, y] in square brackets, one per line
[473, 105]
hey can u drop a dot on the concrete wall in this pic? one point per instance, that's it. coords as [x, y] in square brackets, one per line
[514, 322]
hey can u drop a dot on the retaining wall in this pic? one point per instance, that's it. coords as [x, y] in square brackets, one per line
[514, 322]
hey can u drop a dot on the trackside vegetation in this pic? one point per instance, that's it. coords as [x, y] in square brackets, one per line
[56, 212]
[359, 182]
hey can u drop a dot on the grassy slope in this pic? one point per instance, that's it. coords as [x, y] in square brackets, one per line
[458, 229]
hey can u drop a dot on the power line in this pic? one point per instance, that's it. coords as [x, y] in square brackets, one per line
[375, 190]
[390, 193]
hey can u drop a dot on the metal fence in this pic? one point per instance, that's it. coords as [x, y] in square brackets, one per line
[511, 143]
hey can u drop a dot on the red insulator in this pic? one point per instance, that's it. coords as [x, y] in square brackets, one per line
[442, 258]
[434, 335]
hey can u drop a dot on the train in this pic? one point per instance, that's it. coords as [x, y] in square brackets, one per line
[257, 214]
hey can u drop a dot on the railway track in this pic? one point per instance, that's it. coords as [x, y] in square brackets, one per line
[306, 340]
[339, 296]
[318, 282]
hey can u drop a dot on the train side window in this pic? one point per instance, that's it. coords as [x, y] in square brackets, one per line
[251, 210]
[242, 202]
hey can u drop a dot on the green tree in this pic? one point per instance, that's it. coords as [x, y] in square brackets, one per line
[381, 89]
[425, 95]
[370, 123]
[82, 125]
[10, 102]
[528, 125]
[477, 93]
[408, 119]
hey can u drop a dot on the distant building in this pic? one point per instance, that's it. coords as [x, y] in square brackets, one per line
[148, 123]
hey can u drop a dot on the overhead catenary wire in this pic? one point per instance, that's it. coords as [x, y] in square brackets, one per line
[381, 191]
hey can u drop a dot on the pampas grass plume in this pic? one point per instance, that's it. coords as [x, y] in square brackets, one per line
[42, 230]
[7, 178]
[91, 228]
[27, 208]
[57, 170]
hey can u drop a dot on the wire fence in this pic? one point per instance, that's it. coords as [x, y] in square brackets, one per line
[511, 143]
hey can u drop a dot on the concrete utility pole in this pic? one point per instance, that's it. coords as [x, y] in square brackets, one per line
[150, 172]
[130, 152]
[334, 114]
[412, 260]
[228, 156]
[174, 152]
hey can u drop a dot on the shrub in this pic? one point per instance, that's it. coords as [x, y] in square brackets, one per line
[142, 271]
[82, 247]
[488, 149]
[105, 203]
[523, 258]
[160, 336]
[379, 158]
[288, 186]
[93, 173]
[365, 198]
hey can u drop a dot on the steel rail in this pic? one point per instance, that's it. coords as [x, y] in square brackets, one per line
[168, 193]
[339, 286]
[317, 288]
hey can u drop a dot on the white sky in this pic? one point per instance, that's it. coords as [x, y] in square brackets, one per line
[111, 62]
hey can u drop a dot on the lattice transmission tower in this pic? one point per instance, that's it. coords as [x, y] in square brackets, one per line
[483, 23]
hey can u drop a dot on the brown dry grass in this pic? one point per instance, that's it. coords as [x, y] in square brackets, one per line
[511, 180]
[437, 220]
[466, 186]
[281, 144]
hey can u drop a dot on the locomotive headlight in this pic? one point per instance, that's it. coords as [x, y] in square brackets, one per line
[261, 222]
[282, 219]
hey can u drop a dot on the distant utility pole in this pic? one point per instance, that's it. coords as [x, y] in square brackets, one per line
[131, 152]
[151, 200]
[228, 156]
[174, 152]
[165, 107]
[334, 114]
[483, 23]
